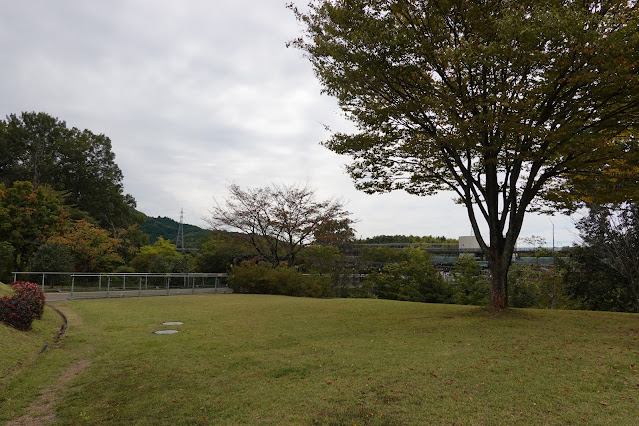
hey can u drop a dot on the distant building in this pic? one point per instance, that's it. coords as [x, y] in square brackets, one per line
[468, 243]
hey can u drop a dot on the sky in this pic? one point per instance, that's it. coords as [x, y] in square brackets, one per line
[196, 95]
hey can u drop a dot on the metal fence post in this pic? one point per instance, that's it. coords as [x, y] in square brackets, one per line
[108, 285]
[140, 287]
[72, 286]
[43, 274]
[123, 282]
[100, 282]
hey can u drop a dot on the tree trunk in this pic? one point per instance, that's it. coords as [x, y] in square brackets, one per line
[500, 255]
[499, 280]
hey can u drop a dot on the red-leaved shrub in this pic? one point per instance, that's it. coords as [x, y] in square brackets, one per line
[27, 305]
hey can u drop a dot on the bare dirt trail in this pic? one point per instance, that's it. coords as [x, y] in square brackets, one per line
[41, 410]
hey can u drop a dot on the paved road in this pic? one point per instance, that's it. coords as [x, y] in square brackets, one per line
[60, 296]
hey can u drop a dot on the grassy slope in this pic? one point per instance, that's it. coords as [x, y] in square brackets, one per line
[5, 290]
[19, 348]
[241, 359]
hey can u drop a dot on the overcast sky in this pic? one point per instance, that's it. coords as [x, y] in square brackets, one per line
[196, 95]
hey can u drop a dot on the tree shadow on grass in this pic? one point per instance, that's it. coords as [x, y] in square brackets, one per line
[496, 313]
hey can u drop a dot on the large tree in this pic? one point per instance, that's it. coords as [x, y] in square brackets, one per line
[27, 217]
[606, 266]
[161, 257]
[514, 106]
[39, 148]
[92, 248]
[279, 220]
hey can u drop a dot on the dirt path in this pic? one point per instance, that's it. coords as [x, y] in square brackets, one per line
[41, 410]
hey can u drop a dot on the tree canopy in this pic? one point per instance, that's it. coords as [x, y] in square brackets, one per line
[160, 257]
[606, 267]
[407, 239]
[27, 217]
[280, 220]
[514, 106]
[92, 248]
[39, 148]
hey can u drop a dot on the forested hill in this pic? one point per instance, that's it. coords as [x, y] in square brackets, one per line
[167, 228]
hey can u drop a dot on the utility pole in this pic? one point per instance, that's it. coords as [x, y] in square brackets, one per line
[179, 241]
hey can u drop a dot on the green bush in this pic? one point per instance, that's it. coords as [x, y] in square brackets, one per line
[535, 286]
[471, 286]
[124, 269]
[51, 257]
[413, 278]
[262, 278]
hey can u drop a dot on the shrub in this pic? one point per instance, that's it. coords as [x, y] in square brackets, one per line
[412, 277]
[124, 269]
[27, 305]
[471, 286]
[33, 296]
[262, 278]
[51, 257]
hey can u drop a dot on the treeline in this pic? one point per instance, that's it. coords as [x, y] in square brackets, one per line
[61, 199]
[62, 208]
[78, 166]
[407, 239]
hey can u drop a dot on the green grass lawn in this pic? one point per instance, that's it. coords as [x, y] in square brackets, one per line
[246, 359]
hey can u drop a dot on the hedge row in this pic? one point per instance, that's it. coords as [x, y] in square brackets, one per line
[262, 278]
[22, 309]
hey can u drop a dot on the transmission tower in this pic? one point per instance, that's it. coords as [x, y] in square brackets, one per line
[179, 241]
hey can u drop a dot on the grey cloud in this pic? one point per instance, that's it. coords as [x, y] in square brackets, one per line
[194, 95]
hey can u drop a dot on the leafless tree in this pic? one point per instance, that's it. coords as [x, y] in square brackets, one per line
[280, 220]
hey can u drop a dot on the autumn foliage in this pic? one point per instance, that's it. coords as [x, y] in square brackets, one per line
[27, 305]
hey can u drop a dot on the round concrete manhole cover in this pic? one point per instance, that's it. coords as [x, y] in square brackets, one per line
[172, 323]
[165, 332]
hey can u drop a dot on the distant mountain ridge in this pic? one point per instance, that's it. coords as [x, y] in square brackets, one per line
[167, 228]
